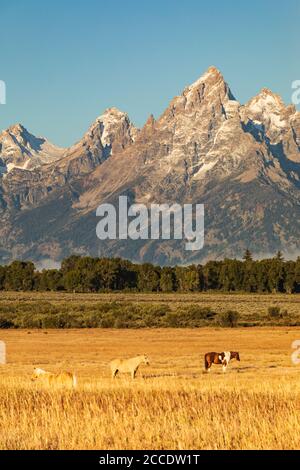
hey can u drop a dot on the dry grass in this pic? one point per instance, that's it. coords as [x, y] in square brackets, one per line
[171, 405]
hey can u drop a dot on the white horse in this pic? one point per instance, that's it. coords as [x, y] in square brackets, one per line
[127, 365]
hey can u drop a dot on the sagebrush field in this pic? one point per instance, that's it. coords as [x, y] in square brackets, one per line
[172, 404]
[150, 310]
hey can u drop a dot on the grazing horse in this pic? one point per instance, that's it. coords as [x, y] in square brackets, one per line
[127, 365]
[220, 358]
[62, 378]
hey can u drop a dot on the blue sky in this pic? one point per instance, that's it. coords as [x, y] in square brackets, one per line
[65, 61]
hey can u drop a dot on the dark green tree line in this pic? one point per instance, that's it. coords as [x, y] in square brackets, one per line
[86, 274]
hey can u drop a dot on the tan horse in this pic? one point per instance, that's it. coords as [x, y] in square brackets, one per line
[127, 365]
[62, 379]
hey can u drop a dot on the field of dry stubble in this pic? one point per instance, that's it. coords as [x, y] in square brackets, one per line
[172, 404]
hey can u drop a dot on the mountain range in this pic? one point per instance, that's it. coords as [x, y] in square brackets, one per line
[242, 161]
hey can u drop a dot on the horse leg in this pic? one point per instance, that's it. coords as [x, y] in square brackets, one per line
[207, 364]
[114, 373]
[133, 373]
[224, 366]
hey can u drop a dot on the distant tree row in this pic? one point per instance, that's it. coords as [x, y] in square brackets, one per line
[86, 274]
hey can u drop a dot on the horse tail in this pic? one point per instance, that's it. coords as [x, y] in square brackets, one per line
[206, 363]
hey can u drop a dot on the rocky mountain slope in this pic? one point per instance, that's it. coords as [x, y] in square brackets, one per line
[241, 161]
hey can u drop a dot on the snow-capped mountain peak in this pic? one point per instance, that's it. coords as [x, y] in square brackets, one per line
[268, 113]
[210, 85]
[21, 149]
[111, 122]
[266, 102]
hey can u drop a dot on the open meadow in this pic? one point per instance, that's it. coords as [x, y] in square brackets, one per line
[172, 403]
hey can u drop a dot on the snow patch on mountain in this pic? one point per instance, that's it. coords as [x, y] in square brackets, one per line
[204, 169]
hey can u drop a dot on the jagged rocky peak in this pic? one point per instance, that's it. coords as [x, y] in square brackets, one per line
[114, 129]
[17, 128]
[150, 121]
[268, 113]
[211, 82]
[22, 150]
[209, 93]
[110, 133]
[266, 100]
[17, 134]
[147, 130]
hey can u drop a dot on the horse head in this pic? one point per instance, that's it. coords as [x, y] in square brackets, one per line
[235, 355]
[145, 359]
[36, 373]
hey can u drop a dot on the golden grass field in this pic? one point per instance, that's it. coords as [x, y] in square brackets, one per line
[172, 404]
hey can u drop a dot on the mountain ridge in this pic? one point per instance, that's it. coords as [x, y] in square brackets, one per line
[241, 160]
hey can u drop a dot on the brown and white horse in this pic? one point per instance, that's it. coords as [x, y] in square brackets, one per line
[220, 358]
